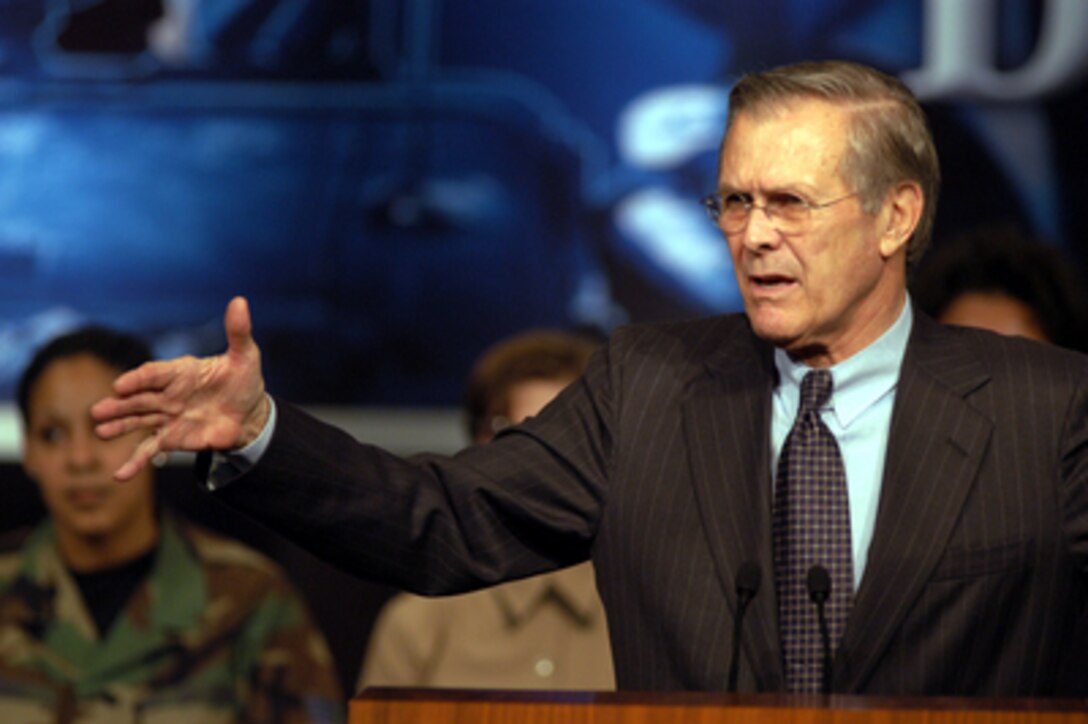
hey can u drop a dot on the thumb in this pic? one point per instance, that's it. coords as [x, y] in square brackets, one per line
[238, 326]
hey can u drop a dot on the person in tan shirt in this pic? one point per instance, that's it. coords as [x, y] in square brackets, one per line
[543, 632]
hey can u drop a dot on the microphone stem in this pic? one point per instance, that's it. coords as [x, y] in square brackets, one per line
[742, 604]
[825, 635]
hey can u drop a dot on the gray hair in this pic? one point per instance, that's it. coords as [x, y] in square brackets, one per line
[889, 139]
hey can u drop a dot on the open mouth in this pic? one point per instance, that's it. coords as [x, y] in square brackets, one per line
[771, 281]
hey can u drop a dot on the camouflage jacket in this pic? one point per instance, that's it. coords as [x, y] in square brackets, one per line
[215, 633]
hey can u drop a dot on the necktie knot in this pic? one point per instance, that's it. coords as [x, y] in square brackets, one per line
[815, 391]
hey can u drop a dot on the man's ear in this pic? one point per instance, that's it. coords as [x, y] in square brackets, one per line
[899, 216]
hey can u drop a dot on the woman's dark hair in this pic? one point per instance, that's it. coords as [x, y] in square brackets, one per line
[115, 349]
[1003, 260]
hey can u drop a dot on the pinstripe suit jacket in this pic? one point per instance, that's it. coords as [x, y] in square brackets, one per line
[656, 464]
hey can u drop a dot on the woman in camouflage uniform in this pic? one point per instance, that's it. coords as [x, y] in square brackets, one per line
[113, 611]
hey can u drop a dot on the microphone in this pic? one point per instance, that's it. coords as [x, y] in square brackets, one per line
[819, 590]
[748, 579]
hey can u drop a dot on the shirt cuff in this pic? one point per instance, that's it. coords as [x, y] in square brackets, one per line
[228, 466]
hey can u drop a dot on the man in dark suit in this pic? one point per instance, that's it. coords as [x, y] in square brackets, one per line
[965, 454]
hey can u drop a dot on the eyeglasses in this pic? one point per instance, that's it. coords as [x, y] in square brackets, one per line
[788, 213]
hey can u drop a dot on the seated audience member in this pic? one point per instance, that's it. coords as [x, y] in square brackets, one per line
[1000, 280]
[544, 632]
[124, 612]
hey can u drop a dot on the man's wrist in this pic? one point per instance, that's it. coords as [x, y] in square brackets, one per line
[227, 465]
[256, 422]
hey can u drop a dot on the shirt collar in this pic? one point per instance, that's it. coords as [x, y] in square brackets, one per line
[177, 581]
[862, 379]
[574, 589]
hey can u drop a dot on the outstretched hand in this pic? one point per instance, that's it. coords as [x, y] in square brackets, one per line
[189, 403]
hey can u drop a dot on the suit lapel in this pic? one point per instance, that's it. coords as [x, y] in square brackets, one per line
[727, 425]
[936, 444]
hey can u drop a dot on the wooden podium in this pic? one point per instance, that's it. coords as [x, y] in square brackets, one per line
[439, 706]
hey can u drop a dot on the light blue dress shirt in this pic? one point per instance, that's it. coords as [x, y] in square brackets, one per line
[859, 415]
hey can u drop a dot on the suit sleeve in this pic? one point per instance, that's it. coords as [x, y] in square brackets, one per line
[528, 502]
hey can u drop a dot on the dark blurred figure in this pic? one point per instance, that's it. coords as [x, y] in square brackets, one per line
[999, 279]
[544, 632]
[312, 40]
[110, 26]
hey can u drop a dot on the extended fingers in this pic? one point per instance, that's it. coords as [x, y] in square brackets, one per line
[151, 376]
[143, 403]
[117, 426]
[140, 457]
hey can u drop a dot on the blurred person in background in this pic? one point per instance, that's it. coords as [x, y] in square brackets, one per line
[1001, 280]
[124, 611]
[543, 632]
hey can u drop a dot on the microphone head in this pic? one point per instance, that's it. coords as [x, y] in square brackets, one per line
[819, 583]
[748, 578]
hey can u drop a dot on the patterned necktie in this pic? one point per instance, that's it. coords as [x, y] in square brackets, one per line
[811, 526]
